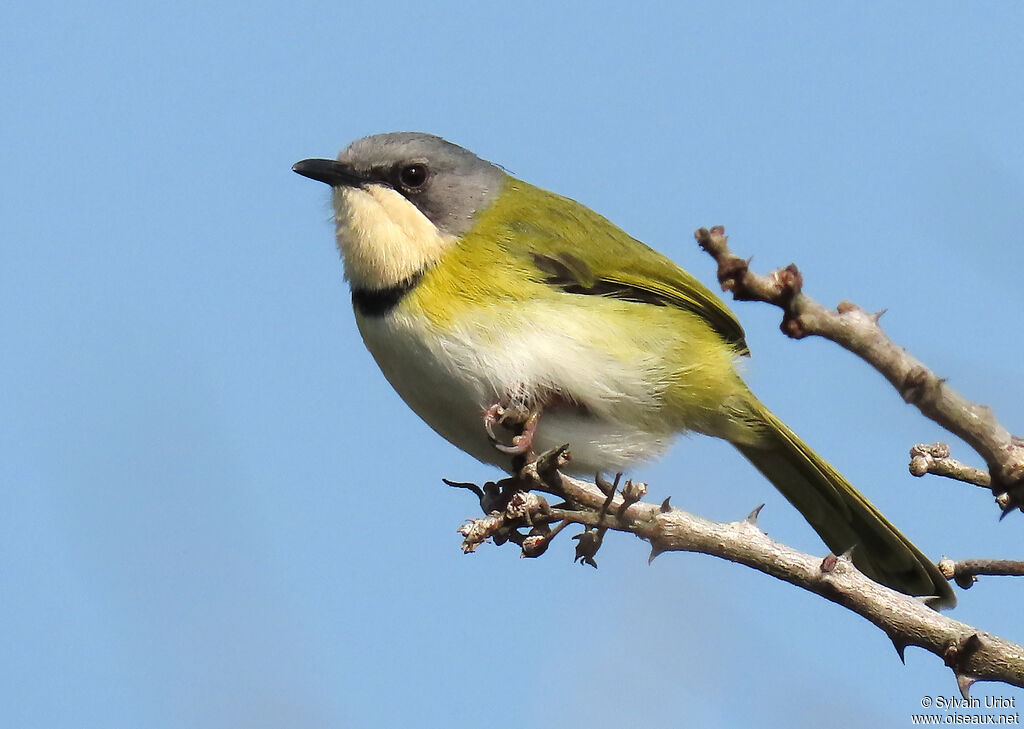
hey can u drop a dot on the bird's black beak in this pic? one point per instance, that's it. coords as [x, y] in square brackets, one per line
[329, 171]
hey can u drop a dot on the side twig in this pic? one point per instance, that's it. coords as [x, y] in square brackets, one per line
[934, 458]
[966, 571]
[859, 332]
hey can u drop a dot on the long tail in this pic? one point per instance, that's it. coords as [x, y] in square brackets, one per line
[840, 515]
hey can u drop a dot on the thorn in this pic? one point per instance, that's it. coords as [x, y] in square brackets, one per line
[655, 552]
[965, 682]
[879, 314]
[848, 554]
[901, 646]
[752, 516]
[665, 507]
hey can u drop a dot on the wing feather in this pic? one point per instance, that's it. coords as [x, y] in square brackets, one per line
[581, 252]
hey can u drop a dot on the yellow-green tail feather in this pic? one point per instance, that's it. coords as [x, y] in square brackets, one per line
[840, 514]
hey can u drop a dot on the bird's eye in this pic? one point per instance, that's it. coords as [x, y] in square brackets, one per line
[413, 176]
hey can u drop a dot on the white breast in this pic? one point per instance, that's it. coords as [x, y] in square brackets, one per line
[450, 378]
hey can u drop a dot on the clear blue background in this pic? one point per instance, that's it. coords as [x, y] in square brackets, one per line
[215, 513]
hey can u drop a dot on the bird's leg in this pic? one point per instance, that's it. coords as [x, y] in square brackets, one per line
[522, 443]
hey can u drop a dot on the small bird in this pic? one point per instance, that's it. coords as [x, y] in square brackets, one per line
[514, 320]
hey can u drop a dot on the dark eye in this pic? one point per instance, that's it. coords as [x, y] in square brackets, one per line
[413, 176]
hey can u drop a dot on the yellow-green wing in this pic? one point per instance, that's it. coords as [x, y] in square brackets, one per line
[579, 251]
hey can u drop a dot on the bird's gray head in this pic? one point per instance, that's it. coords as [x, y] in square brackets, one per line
[400, 200]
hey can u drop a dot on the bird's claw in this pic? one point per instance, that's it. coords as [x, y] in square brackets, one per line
[493, 415]
[521, 443]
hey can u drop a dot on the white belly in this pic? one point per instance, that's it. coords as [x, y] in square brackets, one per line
[450, 379]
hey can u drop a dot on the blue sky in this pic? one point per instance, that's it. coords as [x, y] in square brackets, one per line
[215, 513]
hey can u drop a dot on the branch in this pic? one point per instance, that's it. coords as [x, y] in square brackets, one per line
[858, 331]
[972, 654]
[966, 571]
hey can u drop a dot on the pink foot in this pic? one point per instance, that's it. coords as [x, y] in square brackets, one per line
[524, 442]
[495, 415]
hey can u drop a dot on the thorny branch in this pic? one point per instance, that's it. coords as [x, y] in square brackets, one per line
[859, 332]
[515, 504]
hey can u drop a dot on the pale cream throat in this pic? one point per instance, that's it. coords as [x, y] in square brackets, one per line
[383, 238]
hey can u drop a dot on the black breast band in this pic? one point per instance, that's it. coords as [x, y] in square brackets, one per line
[380, 302]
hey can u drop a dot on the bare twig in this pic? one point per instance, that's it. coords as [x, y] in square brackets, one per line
[965, 572]
[859, 332]
[934, 458]
[972, 654]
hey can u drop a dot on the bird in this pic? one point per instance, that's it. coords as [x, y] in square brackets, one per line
[513, 320]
